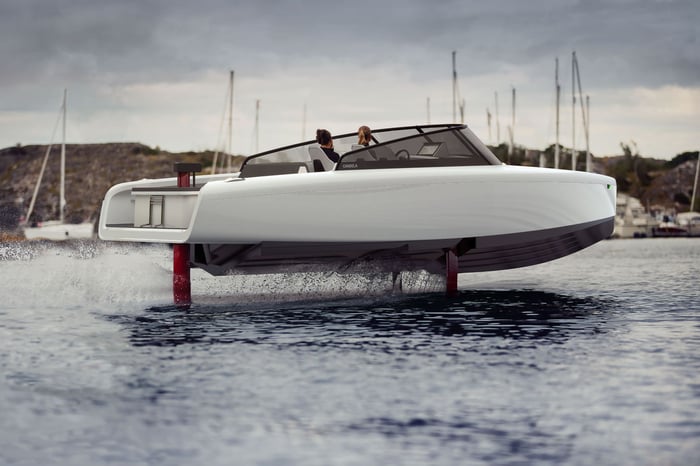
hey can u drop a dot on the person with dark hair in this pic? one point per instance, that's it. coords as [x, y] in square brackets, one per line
[364, 135]
[324, 139]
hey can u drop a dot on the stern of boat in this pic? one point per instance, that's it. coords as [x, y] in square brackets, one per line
[151, 211]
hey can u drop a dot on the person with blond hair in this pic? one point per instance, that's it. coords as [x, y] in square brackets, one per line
[364, 135]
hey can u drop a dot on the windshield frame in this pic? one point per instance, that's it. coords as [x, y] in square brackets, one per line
[465, 136]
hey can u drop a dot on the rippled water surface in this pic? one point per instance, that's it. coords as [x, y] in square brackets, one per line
[590, 359]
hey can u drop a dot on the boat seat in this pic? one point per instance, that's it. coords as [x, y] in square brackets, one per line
[318, 166]
[317, 154]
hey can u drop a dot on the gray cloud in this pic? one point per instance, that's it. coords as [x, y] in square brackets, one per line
[650, 42]
[92, 46]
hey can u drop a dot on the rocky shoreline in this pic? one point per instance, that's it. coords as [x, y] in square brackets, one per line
[91, 169]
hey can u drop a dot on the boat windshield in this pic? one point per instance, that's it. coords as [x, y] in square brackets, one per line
[447, 147]
[405, 147]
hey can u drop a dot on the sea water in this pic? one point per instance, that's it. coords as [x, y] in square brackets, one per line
[589, 359]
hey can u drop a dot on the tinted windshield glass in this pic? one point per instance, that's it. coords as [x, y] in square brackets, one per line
[414, 146]
[289, 154]
[442, 148]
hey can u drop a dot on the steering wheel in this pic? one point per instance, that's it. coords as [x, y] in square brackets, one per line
[398, 154]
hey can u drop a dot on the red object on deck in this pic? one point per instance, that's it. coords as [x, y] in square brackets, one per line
[183, 179]
[451, 269]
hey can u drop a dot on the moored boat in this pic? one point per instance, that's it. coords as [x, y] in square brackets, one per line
[632, 220]
[690, 221]
[56, 230]
[669, 228]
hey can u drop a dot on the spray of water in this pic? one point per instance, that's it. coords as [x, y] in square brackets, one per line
[81, 275]
[96, 275]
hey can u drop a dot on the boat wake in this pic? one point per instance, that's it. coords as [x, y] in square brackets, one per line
[81, 274]
[104, 276]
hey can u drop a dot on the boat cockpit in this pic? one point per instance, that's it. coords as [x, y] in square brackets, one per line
[404, 147]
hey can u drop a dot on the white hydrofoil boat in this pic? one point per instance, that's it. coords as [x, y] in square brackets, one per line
[415, 196]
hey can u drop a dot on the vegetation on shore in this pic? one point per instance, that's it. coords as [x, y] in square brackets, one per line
[660, 184]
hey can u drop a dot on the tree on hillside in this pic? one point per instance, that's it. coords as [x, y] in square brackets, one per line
[633, 173]
[500, 151]
[680, 159]
[516, 158]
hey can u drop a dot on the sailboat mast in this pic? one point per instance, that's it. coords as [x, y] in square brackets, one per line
[230, 123]
[488, 121]
[62, 199]
[512, 126]
[303, 123]
[454, 87]
[584, 114]
[573, 110]
[427, 108]
[589, 161]
[558, 91]
[498, 121]
[695, 184]
[257, 123]
[43, 168]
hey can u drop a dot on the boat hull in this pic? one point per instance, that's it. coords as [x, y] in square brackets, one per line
[57, 231]
[477, 254]
[497, 216]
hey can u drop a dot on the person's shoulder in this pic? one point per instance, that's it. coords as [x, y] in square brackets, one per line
[333, 155]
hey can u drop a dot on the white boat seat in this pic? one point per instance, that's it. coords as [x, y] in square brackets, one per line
[317, 153]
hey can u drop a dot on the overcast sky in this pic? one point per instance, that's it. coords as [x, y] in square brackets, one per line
[157, 71]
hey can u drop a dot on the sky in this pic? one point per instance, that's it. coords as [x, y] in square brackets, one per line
[157, 71]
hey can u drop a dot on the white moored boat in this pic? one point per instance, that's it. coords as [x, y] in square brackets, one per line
[404, 202]
[56, 230]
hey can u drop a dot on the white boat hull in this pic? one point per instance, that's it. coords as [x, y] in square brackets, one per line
[57, 231]
[260, 224]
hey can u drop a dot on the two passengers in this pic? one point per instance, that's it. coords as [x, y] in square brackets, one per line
[324, 139]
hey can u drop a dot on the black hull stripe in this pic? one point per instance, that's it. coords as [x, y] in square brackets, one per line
[478, 254]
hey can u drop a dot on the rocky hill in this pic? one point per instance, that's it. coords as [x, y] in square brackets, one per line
[664, 185]
[91, 169]
[661, 185]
